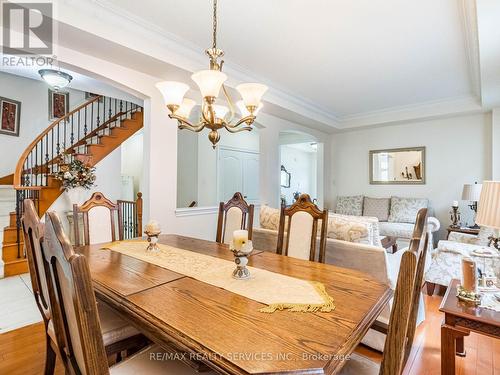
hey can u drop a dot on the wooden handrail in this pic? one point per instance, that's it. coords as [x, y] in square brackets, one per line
[24, 155]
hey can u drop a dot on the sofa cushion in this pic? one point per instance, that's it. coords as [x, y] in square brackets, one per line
[404, 210]
[269, 217]
[350, 205]
[371, 224]
[341, 228]
[377, 207]
[399, 230]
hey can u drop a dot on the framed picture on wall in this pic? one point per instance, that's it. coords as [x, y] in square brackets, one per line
[58, 104]
[10, 116]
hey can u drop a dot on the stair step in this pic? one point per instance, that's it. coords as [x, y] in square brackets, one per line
[16, 267]
[9, 252]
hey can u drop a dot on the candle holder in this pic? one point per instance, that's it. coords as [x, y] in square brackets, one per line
[241, 259]
[153, 242]
[455, 217]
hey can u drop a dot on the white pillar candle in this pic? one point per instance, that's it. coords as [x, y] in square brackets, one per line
[455, 204]
[240, 238]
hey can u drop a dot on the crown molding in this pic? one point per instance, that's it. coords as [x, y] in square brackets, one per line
[171, 49]
[426, 110]
[189, 56]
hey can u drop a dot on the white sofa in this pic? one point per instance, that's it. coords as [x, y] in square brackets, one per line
[395, 214]
[372, 260]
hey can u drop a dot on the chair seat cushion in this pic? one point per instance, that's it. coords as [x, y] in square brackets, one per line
[113, 327]
[359, 365]
[153, 360]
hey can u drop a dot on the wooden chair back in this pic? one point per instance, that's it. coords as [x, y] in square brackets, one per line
[233, 215]
[33, 241]
[301, 220]
[100, 218]
[403, 317]
[73, 304]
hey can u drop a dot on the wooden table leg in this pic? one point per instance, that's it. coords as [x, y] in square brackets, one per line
[449, 336]
[460, 349]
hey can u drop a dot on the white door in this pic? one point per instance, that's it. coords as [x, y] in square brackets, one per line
[238, 170]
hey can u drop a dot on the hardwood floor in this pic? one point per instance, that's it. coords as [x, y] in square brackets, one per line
[22, 351]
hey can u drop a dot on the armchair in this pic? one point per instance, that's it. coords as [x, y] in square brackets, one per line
[446, 259]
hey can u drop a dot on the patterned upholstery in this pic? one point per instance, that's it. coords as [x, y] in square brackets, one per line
[447, 258]
[377, 207]
[404, 210]
[269, 217]
[351, 205]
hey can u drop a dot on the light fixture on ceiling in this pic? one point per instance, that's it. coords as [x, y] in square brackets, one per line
[210, 82]
[55, 78]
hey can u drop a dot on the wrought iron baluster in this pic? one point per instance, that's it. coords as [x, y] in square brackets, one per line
[46, 159]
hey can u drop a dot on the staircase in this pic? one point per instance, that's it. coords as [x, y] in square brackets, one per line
[90, 132]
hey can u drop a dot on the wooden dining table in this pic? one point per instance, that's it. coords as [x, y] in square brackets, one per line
[226, 331]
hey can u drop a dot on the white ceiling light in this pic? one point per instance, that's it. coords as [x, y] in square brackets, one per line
[55, 78]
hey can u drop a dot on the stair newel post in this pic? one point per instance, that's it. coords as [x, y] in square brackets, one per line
[139, 214]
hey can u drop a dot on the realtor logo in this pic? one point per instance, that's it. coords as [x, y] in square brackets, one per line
[27, 28]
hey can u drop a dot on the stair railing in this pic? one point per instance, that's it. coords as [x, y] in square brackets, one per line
[131, 217]
[68, 136]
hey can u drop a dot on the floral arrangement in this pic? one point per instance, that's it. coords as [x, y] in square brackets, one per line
[76, 174]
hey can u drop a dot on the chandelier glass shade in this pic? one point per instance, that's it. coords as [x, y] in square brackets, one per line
[210, 83]
[55, 78]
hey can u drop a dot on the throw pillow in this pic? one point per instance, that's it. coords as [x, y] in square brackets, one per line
[341, 228]
[352, 205]
[371, 224]
[404, 210]
[377, 207]
[269, 217]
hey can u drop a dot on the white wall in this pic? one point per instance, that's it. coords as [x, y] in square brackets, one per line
[458, 151]
[302, 167]
[34, 99]
[132, 155]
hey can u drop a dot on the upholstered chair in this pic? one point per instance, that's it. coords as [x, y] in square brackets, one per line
[101, 221]
[233, 215]
[77, 328]
[403, 319]
[298, 230]
[116, 333]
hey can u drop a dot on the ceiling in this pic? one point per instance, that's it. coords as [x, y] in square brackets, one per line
[348, 57]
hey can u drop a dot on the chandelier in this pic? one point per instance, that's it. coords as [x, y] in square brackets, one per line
[210, 81]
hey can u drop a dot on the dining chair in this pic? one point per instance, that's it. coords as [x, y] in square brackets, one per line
[116, 333]
[403, 319]
[75, 318]
[233, 215]
[299, 238]
[102, 221]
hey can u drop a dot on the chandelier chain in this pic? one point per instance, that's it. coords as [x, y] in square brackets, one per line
[214, 35]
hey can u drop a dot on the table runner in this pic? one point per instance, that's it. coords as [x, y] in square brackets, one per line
[279, 292]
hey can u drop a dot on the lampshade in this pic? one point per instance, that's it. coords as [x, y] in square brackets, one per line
[471, 192]
[55, 78]
[185, 109]
[488, 212]
[220, 111]
[244, 111]
[209, 82]
[173, 92]
[251, 93]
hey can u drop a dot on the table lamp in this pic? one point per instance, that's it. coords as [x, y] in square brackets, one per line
[488, 213]
[471, 193]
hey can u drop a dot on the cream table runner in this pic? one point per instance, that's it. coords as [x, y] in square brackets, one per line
[279, 292]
